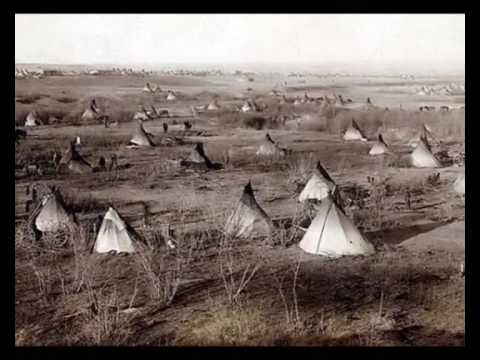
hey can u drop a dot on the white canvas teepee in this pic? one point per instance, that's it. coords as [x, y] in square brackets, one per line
[242, 221]
[246, 107]
[270, 148]
[459, 184]
[213, 105]
[141, 138]
[113, 234]
[422, 156]
[332, 234]
[171, 96]
[32, 119]
[319, 186]
[52, 216]
[354, 132]
[380, 147]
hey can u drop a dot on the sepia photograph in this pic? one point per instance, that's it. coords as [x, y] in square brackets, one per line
[235, 180]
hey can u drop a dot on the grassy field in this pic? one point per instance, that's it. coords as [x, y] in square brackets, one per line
[252, 292]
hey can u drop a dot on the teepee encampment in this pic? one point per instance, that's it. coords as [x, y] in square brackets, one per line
[141, 137]
[242, 221]
[459, 184]
[114, 234]
[270, 148]
[52, 215]
[319, 186]
[333, 234]
[380, 147]
[423, 157]
[354, 132]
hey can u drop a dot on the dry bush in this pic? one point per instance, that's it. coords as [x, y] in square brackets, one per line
[163, 277]
[231, 326]
[300, 167]
[293, 319]
[105, 323]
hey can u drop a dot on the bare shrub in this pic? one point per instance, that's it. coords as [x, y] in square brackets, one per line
[105, 323]
[300, 167]
[235, 278]
[290, 302]
[163, 278]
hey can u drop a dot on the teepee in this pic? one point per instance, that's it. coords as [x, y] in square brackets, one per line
[427, 133]
[380, 147]
[246, 107]
[270, 148]
[113, 234]
[423, 157]
[171, 96]
[333, 234]
[319, 186]
[52, 215]
[213, 105]
[241, 222]
[147, 88]
[32, 119]
[74, 161]
[459, 184]
[92, 112]
[354, 132]
[141, 138]
[198, 158]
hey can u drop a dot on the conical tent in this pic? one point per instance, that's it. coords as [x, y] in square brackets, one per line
[459, 184]
[74, 161]
[247, 213]
[246, 107]
[147, 88]
[141, 138]
[171, 96]
[354, 132]
[380, 147]
[269, 148]
[213, 105]
[32, 119]
[113, 234]
[89, 114]
[52, 216]
[426, 133]
[332, 234]
[319, 186]
[422, 156]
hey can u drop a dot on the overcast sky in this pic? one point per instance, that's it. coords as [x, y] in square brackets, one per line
[437, 40]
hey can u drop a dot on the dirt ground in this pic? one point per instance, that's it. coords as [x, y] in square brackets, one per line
[409, 293]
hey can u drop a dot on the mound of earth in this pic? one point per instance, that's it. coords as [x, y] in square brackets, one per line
[449, 237]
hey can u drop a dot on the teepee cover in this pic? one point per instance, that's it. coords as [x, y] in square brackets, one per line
[113, 234]
[459, 184]
[52, 216]
[332, 234]
[319, 186]
[242, 221]
[422, 156]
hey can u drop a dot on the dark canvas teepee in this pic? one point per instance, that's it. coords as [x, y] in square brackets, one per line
[247, 213]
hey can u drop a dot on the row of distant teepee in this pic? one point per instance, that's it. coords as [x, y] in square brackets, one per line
[422, 156]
